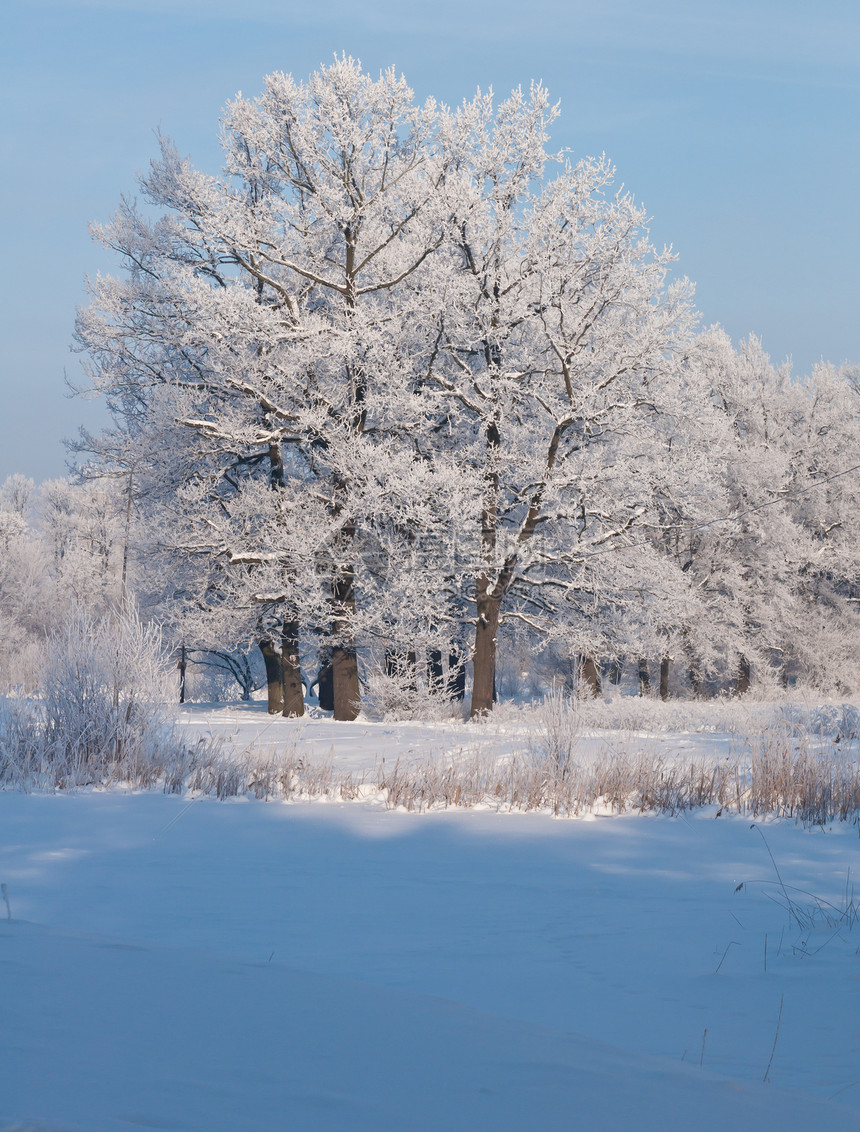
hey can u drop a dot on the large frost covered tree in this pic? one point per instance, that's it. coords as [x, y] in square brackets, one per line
[258, 315]
[398, 374]
[556, 342]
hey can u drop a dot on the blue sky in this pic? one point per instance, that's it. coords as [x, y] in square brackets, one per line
[735, 123]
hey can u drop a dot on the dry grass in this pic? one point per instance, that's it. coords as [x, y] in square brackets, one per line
[780, 780]
[778, 768]
[778, 765]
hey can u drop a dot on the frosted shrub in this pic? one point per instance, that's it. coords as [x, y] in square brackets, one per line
[106, 681]
[101, 716]
[395, 696]
[840, 721]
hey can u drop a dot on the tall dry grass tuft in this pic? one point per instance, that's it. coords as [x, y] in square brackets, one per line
[781, 769]
[614, 782]
[799, 776]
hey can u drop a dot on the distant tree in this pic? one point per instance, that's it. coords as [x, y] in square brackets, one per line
[60, 552]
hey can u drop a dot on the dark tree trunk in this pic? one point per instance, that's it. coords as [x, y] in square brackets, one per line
[274, 676]
[182, 667]
[644, 677]
[293, 691]
[242, 674]
[271, 655]
[484, 658]
[435, 675]
[456, 686]
[345, 688]
[613, 671]
[744, 676]
[344, 661]
[488, 598]
[325, 682]
[695, 681]
[402, 667]
[590, 673]
[664, 678]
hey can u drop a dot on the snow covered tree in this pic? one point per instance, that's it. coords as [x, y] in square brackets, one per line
[256, 314]
[556, 340]
[377, 301]
[61, 550]
[823, 499]
[382, 382]
[761, 559]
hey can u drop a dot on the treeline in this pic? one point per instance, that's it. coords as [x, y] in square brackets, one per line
[62, 548]
[399, 383]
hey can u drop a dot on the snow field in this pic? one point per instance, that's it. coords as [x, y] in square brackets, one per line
[183, 963]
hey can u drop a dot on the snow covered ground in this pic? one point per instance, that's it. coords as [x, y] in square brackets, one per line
[180, 963]
[358, 748]
[352, 747]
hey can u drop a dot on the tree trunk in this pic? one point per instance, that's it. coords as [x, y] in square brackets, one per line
[325, 682]
[590, 673]
[664, 678]
[484, 658]
[182, 667]
[695, 681]
[435, 675]
[456, 686]
[244, 678]
[345, 687]
[344, 661]
[293, 697]
[614, 671]
[644, 677]
[274, 676]
[402, 667]
[488, 606]
[744, 676]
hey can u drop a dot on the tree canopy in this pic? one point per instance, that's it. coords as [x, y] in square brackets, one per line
[398, 376]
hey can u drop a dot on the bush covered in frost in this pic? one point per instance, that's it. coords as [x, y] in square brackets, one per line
[101, 714]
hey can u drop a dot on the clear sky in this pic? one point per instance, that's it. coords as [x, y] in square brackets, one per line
[736, 123]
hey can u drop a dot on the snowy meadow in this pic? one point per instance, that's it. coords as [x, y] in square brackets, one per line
[269, 923]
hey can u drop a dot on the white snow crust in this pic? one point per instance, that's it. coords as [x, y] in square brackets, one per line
[184, 963]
